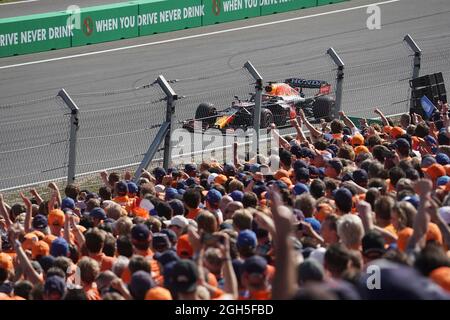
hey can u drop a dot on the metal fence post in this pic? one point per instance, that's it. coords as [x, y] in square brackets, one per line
[170, 111]
[258, 101]
[339, 81]
[74, 125]
[417, 60]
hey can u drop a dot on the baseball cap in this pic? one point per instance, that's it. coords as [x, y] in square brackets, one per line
[254, 264]
[166, 257]
[6, 261]
[442, 159]
[435, 171]
[361, 149]
[55, 284]
[427, 161]
[97, 213]
[211, 178]
[184, 276]
[342, 196]
[336, 164]
[360, 176]
[59, 247]
[300, 188]
[302, 174]
[442, 181]
[246, 239]
[444, 212]
[171, 193]
[299, 164]
[237, 195]
[213, 196]
[397, 132]
[184, 248]
[179, 221]
[414, 200]
[121, 187]
[402, 143]
[280, 174]
[132, 187]
[158, 293]
[357, 140]
[140, 283]
[189, 167]
[177, 207]
[221, 179]
[140, 232]
[229, 169]
[39, 222]
[160, 240]
[40, 248]
[315, 224]
[373, 243]
[67, 203]
[56, 217]
[159, 172]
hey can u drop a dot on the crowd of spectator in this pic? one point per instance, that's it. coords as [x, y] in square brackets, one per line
[351, 212]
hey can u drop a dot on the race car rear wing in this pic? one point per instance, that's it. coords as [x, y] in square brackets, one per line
[304, 83]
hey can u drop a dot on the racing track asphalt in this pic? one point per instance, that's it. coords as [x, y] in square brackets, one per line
[282, 50]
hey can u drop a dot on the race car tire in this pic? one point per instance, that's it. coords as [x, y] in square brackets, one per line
[266, 118]
[206, 110]
[322, 107]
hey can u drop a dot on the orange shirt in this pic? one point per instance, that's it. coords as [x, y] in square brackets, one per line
[258, 295]
[193, 213]
[92, 292]
[105, 262]
[433, 233]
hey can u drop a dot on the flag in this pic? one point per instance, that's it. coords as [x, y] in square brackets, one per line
[427, 106]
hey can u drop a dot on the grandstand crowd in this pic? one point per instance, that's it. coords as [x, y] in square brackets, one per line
[354, 211]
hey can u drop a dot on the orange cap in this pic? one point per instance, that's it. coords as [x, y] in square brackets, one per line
[434, 233]
[28, 241]
[49, 239]
[56, 218]
[442, 277]
[184, 247]
[286, 180]
[357, 140]
[361, 149]
[435, 171]
[40, 248]
[447, 169]
[397, 132]
[140, 212]
[39, 234]
[6, 261]
[280, 174]
[221, 179]
[158, 293]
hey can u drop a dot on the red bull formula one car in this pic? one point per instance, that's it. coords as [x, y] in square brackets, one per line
[281, 102]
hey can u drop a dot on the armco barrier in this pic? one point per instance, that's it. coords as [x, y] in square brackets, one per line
[271, 6]
[107, 23]
[217, 11]
[157, 16]
[34, 33]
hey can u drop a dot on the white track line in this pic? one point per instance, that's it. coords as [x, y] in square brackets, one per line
[17, 2]
[195, 36]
